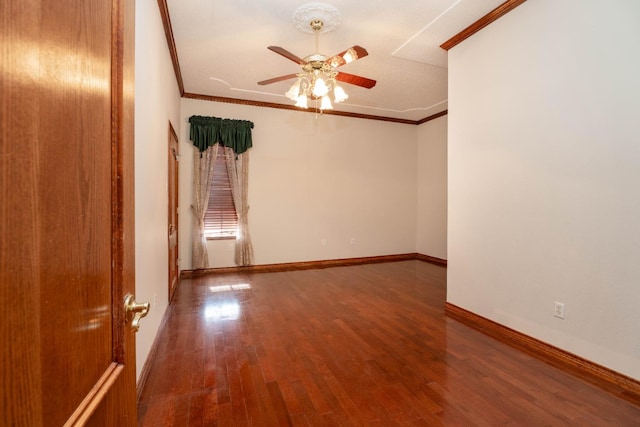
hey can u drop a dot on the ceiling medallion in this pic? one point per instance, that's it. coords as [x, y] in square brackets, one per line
[310, 12]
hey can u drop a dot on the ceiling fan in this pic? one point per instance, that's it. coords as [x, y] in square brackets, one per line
[318, 76]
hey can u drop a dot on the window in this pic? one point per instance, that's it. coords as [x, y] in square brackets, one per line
[220, 220]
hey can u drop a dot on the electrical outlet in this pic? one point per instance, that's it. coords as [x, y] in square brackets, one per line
[353, 240]
[559, 310]
[323, 242]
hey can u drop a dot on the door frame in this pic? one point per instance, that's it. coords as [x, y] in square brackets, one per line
[173, 179]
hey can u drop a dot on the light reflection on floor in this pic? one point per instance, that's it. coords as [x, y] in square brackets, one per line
[226, 288]
[223, 311]
[228, 309]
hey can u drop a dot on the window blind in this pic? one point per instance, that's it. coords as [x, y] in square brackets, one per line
[220, 220]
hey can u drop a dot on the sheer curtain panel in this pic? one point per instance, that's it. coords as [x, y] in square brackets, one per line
[203, 165]
[238, 167]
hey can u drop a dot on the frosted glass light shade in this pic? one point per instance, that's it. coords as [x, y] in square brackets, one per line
[339, 94]
[294, 91]
[320, 88]
[325, 104]
[302, 101]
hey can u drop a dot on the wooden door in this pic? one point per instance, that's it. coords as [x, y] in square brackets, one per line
[174, 271]
[66, 213]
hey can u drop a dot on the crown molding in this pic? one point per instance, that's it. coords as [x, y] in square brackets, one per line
[432, 117]
[490, 17]
[171, 44]
[305, 110]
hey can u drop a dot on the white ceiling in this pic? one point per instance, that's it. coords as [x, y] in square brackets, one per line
[222, 49]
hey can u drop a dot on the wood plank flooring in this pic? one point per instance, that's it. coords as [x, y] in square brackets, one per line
[365, 345]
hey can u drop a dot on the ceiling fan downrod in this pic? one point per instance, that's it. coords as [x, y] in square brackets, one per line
[316, 26]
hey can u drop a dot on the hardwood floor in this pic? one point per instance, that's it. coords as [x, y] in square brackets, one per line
[350, 346]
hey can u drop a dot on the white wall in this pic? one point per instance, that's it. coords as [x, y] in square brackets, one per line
[544, 174]
[157, 102]
[315, 178]
[431, 236]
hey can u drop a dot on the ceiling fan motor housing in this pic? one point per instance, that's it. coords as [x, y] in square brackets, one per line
[318, 62]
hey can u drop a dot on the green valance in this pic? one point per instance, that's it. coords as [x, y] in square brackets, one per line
[208, 131]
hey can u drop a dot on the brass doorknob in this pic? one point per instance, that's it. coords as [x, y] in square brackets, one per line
[139, 310]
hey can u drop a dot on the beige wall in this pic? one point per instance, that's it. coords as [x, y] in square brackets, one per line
[431, 233]
[157, 101]
[544, 194]
[313, 179]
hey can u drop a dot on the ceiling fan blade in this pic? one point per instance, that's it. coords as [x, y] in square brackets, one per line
[355, 80]
[349, 55]
[277, 79]
[284, 52]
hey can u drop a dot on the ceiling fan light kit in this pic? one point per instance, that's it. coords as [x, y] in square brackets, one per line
[318, 78]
